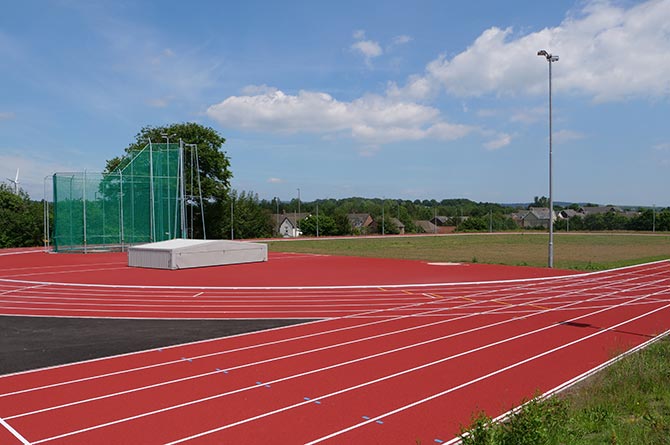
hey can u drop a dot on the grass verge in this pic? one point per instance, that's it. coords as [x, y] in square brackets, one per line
[592, 251]
[627, 403]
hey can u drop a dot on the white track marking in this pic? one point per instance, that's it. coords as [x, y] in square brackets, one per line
[367, 286]
[320, 349]
[481, 293]
[463, 385]
[286, 340]
[14, 433]
[384, 378]
[583, 376]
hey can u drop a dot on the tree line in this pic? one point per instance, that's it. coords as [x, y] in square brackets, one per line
[236, 214]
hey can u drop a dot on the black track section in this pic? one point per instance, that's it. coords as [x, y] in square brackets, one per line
[37, 342]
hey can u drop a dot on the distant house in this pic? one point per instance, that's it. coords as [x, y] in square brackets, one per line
[440, 220]
[538, 217]
[517, 217]
[568, 213]
[360, 222]
[399, 225]
[425, 226]
[286, 224]
[599, 210]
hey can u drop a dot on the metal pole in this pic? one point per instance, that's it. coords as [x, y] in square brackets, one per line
[383, 228]
[317, 219]
[551, 181]
[152, 217]
[277, 199]
[297, 222]
[181, 188]
[84, 208]
[232, 219]
[45, 217]
[653, 224]
[121, 239]
[202, 205]
[550, 59]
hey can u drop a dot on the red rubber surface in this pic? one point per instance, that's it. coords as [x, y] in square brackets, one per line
[386, 364]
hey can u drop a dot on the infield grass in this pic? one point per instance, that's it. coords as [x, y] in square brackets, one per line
[580, 251]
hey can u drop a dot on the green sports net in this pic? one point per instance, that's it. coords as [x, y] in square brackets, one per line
[139, 202]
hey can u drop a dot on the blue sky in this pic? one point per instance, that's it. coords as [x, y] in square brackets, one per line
[412, 100]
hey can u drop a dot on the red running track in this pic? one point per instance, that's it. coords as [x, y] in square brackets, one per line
[386, 364]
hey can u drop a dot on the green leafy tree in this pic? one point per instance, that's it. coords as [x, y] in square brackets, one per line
[213, 165]
[22, 219]
[249, 218]
[326, 225]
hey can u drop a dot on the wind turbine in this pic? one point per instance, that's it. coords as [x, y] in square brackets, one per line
[15, 181]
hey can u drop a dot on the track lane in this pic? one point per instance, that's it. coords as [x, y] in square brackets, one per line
[510, 301]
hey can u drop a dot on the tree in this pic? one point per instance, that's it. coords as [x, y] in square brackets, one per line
[540, 202]
[326, 225]
[22, 219]
[250, 219]
[213, 164]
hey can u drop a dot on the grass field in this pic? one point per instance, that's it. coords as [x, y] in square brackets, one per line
[571, 251]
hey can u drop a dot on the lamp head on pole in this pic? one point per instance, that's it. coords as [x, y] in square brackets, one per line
[548, 56]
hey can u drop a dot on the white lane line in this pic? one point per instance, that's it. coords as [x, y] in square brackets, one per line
[481, 293]
[70, 271]
[367, 286]
[311, 351]
[275, 342]
[217, 396]
[463, 385]
[575, 380]
[21, 289]
[14, 433]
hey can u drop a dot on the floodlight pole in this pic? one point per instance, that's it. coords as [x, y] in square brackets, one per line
[550, 59]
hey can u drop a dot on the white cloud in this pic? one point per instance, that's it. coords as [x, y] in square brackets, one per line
[664, 146]
[6, 115]
[401, 40]
[371, 119]
[606, 52]
[368, 48]
[501, 140]
[359, 34]
[275, 180]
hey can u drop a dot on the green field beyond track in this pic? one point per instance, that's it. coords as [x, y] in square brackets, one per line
[571, 251]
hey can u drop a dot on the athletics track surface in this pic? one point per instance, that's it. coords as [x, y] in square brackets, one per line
[402, 351]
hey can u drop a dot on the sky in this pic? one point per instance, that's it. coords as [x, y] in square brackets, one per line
[398, 99]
